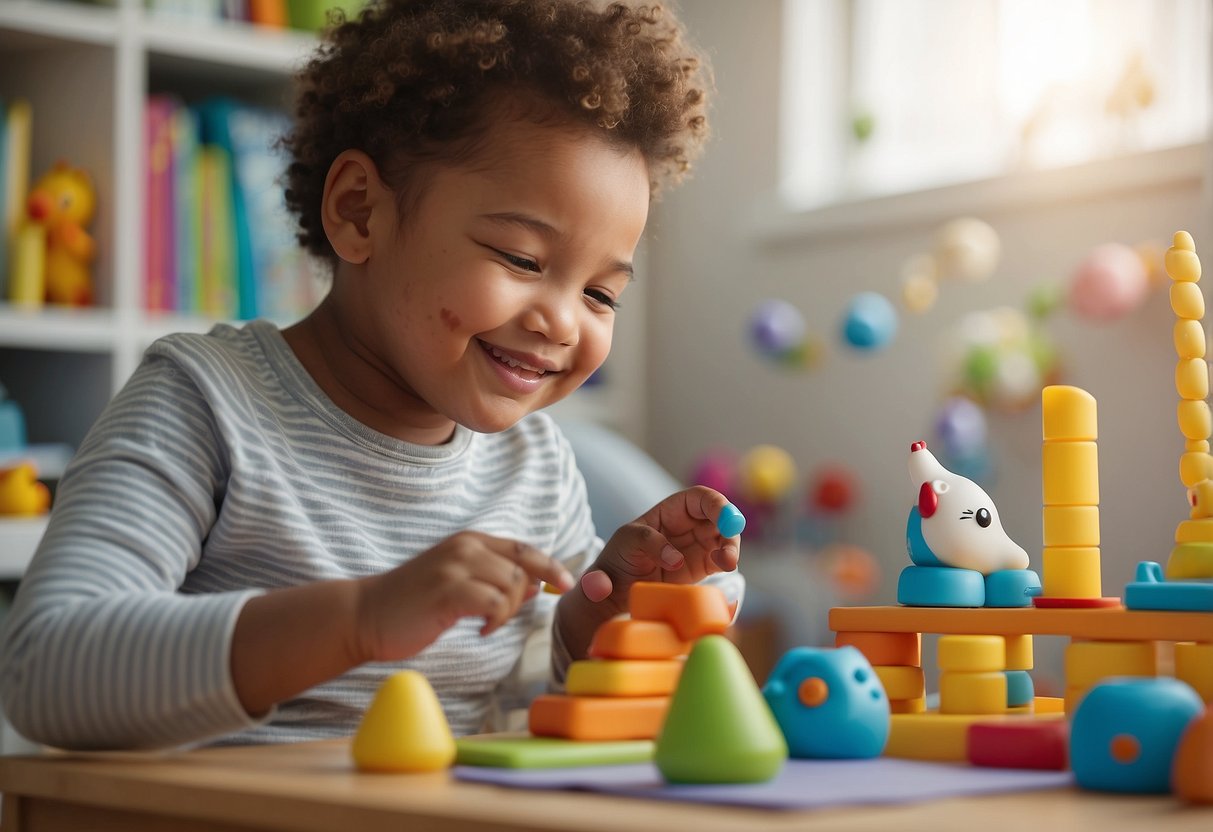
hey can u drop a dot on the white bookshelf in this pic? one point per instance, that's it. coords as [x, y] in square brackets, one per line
[87, 69]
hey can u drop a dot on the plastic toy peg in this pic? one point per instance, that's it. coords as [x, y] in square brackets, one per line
[1195, 466]
[1088, 662]
[404, 729]
[1125, 733]
[719, 728]
[1070, 473]
[1071, 572]
[1180, 261]
[1195, 531]
[1150, 591]
[1200, 498]
[622, 677]
[1195, 420]
[901, 682]
[1194, 665]
[959, 521]
[1190, 560]
[940, 586]
[21, 494]
[597, 717]
[1033, 744]
[830, 703]
[1192, 378]
[1192, 768]
[972, 653]
[885, 648]
[966, 692]
[693, 610]
[1068, 414]
[627, 638]
[1071, 525]
[1189, 337]
[934, 736]
[1187, 301]
[908, 706]
[1021, 690]
[1019, 652]
[731, 521]
[1012, 588]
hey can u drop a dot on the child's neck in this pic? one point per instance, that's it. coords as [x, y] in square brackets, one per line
[352, 377]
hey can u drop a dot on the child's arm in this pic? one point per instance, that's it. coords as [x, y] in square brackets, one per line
[289, 640]
[676, 541]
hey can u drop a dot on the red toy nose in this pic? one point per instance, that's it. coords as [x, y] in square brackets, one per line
[918, 446]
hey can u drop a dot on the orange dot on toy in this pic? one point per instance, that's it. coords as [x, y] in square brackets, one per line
[1125, 748]
[813, 691]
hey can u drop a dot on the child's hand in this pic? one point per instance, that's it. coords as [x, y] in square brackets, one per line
[676, 541]
[403, 611]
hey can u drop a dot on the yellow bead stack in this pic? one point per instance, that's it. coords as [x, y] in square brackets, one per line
[1192, 556]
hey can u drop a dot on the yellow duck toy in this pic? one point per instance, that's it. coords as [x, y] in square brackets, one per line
[20, 492]
[63, 201]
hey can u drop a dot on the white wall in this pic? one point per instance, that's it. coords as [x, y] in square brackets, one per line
[706, 387]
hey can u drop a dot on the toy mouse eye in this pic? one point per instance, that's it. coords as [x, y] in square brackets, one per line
[983, 517]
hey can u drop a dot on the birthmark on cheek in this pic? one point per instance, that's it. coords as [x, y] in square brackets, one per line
[450, 319]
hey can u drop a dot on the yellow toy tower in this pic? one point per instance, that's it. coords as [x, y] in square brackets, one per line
[1192, 556]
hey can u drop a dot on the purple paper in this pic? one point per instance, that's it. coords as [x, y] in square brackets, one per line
[802, 784]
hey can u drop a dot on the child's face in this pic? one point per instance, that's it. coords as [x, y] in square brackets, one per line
[493, 298]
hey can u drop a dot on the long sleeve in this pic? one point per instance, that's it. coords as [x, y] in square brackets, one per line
[100, 648]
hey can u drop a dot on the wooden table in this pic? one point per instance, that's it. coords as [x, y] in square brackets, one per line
[312, 786]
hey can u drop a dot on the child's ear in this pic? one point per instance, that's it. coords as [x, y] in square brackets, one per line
[352, 191]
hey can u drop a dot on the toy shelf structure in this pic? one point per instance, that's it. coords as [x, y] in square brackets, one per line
[1092, 624]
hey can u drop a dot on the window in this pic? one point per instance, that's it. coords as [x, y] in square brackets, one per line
[889, 96]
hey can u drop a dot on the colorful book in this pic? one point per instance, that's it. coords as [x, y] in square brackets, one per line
[4, 221]
[186, 199]
[160, 256]
[216, 242]
[270, 13]
[215, 119]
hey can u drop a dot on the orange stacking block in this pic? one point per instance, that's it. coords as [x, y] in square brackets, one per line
[598, 717]
[885, 648]
[626, 638]
[693, 610]
[623, 677]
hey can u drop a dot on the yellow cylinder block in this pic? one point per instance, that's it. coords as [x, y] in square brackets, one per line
[1195, 419]
[1192, 376]
[972, 653]
[1071, 525]
[972, 693]
[1194, 531]
[1071, 572]
[1182, 264]
[908, 706]
[1194, 665]
[1019, 652]
[1068, 413]
[1089, 661]
[1070, 473]
[1187, 301]
[1194, 467]
[1189, 339]
[1189, 560]
[902, 682]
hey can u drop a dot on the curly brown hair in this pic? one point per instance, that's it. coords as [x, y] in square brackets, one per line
[413, 81]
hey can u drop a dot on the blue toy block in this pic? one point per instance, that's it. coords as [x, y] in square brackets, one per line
[1011, 588]
[1125, 732]
[731, 521]
[829, 703]
[1153, 592]
[941, 586]
[12, 426]
[1020, 688]
[916, 545]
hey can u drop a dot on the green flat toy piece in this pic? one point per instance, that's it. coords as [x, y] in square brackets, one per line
[525, 751]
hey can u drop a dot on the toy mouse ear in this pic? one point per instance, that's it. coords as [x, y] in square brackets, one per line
[928, 500]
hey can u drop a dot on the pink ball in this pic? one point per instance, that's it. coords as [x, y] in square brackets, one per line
[717, 470]
[1109, 283]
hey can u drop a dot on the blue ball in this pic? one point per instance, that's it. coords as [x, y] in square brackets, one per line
[870, 322]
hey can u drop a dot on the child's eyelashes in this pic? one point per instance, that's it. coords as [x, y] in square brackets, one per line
[524, 263]
[601, 297]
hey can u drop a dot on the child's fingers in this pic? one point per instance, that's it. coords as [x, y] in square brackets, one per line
[597, 585]
[537, 565]
[644, 546]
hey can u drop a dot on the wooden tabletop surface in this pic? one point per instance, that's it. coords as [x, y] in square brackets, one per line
[313, 786]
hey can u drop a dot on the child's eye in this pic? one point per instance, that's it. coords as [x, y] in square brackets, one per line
[526, 264]
[601, 297]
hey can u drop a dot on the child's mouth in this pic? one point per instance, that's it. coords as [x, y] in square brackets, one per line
[519, 368]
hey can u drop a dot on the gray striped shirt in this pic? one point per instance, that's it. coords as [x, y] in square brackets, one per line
[222, 470]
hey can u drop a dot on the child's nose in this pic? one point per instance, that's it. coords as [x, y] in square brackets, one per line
[554, 317]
